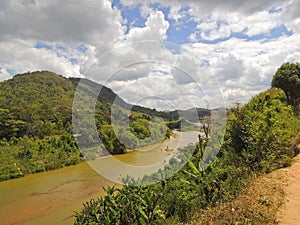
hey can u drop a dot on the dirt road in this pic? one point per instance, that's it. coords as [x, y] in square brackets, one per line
[290, 211]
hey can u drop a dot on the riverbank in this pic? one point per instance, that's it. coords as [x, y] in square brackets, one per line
[49, 198]
[19, 174]
[52, 197]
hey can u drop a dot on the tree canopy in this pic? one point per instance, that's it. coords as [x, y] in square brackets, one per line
[36, 129]
[287, 78]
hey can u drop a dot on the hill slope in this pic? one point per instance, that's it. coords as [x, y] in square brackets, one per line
[35, 124]
[257, 140]
[36, 132]
[37, 101]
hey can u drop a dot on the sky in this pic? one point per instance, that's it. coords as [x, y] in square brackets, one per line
[161, 54]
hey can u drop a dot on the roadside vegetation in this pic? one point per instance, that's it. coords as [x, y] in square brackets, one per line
[259, 139]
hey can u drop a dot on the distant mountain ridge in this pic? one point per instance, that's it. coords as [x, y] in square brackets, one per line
[41, 91]
[36, 123]
[107, 94]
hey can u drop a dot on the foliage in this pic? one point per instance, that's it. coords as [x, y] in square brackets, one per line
[260, 132]
[36, 132]
[35, 124]
[257, 140]
[125, 206]
[110, 140]
[287, 77]
[35, 104]
[28, 155]
[192, 115]
[258, 204]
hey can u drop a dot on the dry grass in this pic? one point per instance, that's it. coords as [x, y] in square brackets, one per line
[259, 203]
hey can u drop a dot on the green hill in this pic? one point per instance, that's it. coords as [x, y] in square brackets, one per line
[36, 127]
[40, 102]
[36, 132]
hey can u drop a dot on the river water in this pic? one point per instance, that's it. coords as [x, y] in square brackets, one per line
[52, 197]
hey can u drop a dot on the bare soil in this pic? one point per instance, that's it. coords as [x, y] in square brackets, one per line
[289, 213]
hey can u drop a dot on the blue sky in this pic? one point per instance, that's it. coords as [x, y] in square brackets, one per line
[235, 48]
[180, 31]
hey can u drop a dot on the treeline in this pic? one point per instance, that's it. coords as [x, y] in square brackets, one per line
[257, 140]
[21, 156]
[191, 115]
[35, 124]
[36, 127]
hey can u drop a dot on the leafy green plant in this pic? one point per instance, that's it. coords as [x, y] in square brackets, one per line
[257, 140]
[123, 206]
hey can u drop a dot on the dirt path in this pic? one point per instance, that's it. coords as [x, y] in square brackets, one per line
[269, 199]
[290, 211]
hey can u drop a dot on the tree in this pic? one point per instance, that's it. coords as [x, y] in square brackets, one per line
[9, 125]
[110, 140]
[287, 77]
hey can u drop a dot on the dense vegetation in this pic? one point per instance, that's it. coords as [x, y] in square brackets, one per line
[191, 115]
[36, 132]
[287, 78]
[35, 124]
[257, 140]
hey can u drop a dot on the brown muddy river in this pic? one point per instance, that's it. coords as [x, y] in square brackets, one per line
[52, 197]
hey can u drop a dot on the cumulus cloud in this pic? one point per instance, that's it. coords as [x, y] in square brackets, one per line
[205, 7]
[229, 68]
[66, 24]
[21, 56]
[244, 68]
[221, 24]
[138, 62]
[4, 74]
[70, 21]
[155, 29]
[160, 91]
[290, 15]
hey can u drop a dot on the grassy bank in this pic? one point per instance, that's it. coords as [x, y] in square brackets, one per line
[257, 141]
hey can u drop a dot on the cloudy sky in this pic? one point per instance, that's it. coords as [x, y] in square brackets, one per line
[162, 54]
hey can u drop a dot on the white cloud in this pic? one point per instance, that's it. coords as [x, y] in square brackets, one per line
[229, 68]
[293, 57]
[21, 56]
[4, 75]
[290, 15]
[175, 13]
[70, 21]
[159, 91]
[143, 71]
[94, 23]
[261, 22]
[205, 7]
[244, 68]
[155, 29]
[221, 25]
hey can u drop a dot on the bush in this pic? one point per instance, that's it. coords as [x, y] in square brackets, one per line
[257, 140]
[260, 132]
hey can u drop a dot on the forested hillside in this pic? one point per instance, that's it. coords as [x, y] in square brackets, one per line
[35, 124]
[36, 132]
